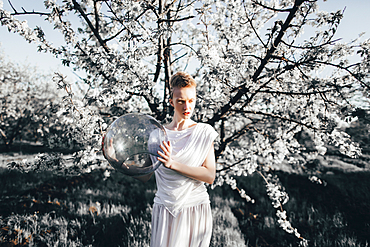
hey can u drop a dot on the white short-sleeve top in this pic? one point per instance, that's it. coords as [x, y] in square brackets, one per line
[190, 147]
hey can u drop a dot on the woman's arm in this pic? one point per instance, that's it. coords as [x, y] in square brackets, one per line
[205, 173]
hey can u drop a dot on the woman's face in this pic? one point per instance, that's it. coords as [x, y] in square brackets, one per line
[183, 100]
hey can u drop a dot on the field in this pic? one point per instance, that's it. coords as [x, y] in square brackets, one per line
[45, 209]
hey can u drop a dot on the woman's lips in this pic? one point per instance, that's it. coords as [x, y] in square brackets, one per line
[186, 113]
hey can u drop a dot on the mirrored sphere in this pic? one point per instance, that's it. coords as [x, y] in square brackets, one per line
[131, 144]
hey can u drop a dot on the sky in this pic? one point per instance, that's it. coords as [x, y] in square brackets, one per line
[356, 20]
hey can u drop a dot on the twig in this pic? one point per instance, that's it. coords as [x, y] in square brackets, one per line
[254, 30]
[175, 20]
[277, 116]
[311, 47]
[273, 9]
[295, 93]
[78, 7]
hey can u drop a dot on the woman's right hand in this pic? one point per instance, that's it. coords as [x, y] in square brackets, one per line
[166, 158]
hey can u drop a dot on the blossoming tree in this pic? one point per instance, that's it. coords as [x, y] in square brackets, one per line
[261, 83]
[27, 103]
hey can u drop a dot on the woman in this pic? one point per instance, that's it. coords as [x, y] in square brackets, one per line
[181, 211]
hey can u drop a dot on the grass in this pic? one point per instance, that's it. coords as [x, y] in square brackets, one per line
[80, 211]
[42, 209]
[337, 214]
[45, 209]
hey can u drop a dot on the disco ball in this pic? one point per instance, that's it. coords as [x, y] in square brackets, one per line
[131, 144]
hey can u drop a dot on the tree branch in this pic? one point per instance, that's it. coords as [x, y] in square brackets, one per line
[78, 7]
[270, 8]
[31, 13]
[232, 165]
[152, 106]
[96, 16]
[276, 116]
[184, 44]
[330, 42]
[114, 36]
[106, 77]
[11, 5]
[167, 61]
[254, 30]
[261, 67]
[295, 93]
[26, 12]
[175, 20]
[345, 69]
[160, 46]
[230, 139]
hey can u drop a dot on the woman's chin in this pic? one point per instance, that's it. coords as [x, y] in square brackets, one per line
[184, 116]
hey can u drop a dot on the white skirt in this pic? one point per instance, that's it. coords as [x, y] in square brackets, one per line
[191, 228]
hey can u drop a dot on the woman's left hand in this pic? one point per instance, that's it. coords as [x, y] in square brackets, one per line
[166, 154]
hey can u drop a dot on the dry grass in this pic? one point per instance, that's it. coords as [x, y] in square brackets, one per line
[337, 214]
[43, 209]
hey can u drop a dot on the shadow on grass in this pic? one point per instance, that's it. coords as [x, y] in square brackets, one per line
[73, 211]
[44, 209]
[337, 214]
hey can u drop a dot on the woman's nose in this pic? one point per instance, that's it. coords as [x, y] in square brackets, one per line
[186, 105]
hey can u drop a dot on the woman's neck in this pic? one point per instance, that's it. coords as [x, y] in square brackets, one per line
[181, 125]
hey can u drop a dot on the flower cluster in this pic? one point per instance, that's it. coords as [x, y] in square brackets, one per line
[275, 191]
[317, 180]
[278, 198]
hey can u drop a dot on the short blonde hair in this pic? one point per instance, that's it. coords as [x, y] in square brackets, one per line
[180, 80]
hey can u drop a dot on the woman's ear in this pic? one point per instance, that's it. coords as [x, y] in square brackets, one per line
[171, 101]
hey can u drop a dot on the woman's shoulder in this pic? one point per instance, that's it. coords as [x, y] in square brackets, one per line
[206, 126]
